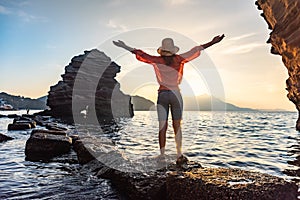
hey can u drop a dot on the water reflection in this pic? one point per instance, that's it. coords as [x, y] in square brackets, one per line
[294, 153]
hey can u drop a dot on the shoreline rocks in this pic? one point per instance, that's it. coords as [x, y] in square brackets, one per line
[21, 123]
[44, 145]
[18, 126]
[4, 138]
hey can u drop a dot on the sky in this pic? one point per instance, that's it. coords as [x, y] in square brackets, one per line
[38, 38]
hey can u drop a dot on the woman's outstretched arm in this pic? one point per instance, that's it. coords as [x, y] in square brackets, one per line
[215, 40]
[195, 52]
[122, 44]
[140, 55]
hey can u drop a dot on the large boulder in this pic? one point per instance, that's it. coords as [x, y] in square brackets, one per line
[89, 85]
[44, 145]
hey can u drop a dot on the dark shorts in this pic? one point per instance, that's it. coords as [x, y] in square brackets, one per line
[169, 99]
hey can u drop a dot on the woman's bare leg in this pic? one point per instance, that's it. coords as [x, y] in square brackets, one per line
[163, 125]
[178, 136]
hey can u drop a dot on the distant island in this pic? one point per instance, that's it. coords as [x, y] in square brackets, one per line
[197, 103]
[20, 102]
[210, 103]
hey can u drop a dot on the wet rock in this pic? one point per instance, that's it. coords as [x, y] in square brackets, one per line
[25, 120]
[13, 116]
[138, 185]
[83, 154]
[52, 132]
[21, 123]
[56, 127]
[224, 183]
[18, 126]
[292, 172]
[283, 19]
[44, 145]
[4, 138]
[89, 148]
[28, 116]
[42, 120]
[89, 91]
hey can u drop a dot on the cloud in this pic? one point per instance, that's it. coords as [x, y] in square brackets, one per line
[20, 13]
[115, 3]
[25, 16]
[242, 49]
[24, 3]
[30, 18]
[241, 44]
[178, 2]
[113, 24]
[242, 36]
[4, 10]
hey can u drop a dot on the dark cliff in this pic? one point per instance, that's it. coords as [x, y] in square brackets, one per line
[283, 18]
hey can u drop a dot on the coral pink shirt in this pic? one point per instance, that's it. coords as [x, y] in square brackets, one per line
[168, 77]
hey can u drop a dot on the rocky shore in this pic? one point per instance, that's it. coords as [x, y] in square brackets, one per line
[165, 180]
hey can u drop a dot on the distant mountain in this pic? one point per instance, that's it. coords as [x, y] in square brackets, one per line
[198, 103]
[19, 102]
[43, 99]
[141, 103]
[208, 103]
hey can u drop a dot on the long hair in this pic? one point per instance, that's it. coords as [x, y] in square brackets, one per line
[168, 59]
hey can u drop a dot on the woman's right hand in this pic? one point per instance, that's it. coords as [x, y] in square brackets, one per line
[119, 43]
[218, 38]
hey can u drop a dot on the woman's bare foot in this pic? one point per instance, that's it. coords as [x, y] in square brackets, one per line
[181, 160]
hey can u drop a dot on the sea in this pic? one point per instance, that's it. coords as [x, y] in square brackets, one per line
[265, 142]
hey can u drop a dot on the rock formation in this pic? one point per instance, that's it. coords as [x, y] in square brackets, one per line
[45, 144]
[283, 19]
[4, 138]
[89, 90]
[21, 123]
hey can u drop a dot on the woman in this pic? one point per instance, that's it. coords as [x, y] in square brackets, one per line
[168, 68]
